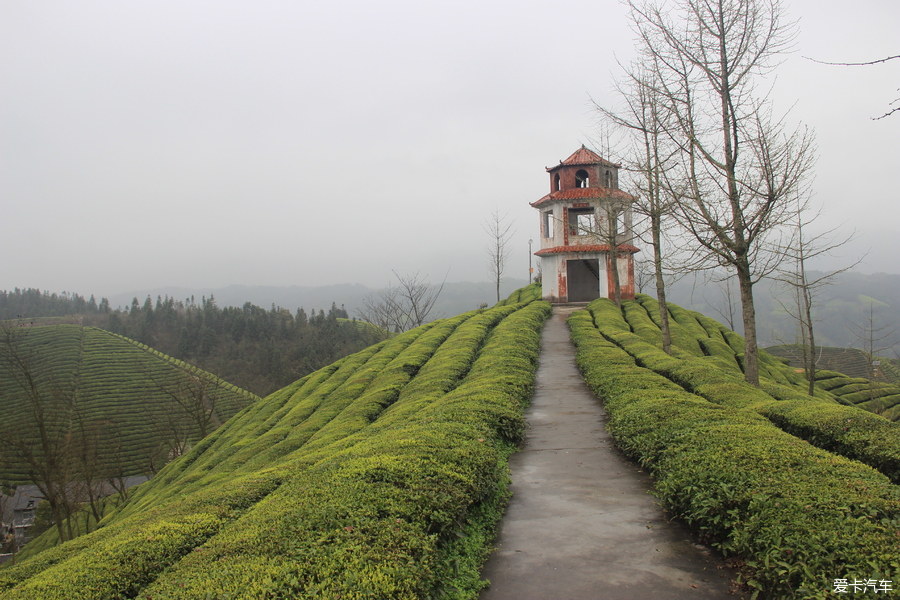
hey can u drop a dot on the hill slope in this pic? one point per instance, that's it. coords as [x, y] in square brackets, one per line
[844, 374]
[136, 405]
[380, 476]
[801, 490]
[383, 474]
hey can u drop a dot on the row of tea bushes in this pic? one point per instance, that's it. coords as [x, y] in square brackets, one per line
[849, 431]
[529, 293]
[381, 476]
[117, 389]
[879, 397]
[797, 516]
[716, 340]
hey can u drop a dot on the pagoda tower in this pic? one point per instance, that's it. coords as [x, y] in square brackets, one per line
[582, 218]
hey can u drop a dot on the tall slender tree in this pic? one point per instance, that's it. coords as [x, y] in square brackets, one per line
[43, 441]
[499, 232]
[647, 161]
[805, 286]
[738, 169]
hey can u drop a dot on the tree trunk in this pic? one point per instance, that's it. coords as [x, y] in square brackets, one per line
[748, 313]
[614, 266]
[660, 284]
[811, 353]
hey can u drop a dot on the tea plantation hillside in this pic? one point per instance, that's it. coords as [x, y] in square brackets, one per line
[380, 476]
[801, 491]
[844, 375]
[137, 406]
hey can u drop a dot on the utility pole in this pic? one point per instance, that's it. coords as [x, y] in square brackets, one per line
[530, 268]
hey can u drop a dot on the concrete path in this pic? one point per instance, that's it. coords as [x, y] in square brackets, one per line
[581, 524]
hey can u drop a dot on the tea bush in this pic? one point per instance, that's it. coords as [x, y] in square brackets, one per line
[846, 430]
[796, 515]
[381, 476]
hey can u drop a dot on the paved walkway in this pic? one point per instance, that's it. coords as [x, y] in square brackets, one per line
[581, 524]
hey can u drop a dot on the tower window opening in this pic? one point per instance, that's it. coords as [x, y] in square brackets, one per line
[556, 183]
[581, 179]
[617, 223]
[608, 179]
[547, 227]
[581, 221]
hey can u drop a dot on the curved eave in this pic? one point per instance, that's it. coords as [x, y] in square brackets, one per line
[588, 193]
[585, 248]
[583, 157]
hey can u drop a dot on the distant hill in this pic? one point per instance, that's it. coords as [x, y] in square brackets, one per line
[456, 297]
[135, 406]
[849, 361]
[841, 307]
[841, 313]
[259, 338]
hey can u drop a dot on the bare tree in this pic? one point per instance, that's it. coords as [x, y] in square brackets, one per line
[89, 471]
[737, 170]
[610, 234]
[172, 432]
[874, 337]
[43, 441]
[805, 288]
[647, 160]
[606, 225]
[197, 397]
[403, 306]
[726, 307]
[115, 461]
[193, 399]
[499, 232]
[8, 543]
[893, 105]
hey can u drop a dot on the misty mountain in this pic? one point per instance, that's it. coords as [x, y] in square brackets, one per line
[456, 297]
[855, 306]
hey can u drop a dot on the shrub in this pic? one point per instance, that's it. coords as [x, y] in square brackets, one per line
[380, 476]
[786, 508]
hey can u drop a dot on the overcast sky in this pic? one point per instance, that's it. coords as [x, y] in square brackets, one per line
[207, 143]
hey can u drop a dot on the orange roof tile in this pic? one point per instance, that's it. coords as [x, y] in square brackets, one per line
[586, 248]
[583, 194]
[583, 156]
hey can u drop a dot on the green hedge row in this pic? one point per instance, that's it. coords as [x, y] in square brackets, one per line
[798, 516]
[685, 330]
[529, 293]
[381, 476]
[854, 433]
[849, 431]
[873, 396]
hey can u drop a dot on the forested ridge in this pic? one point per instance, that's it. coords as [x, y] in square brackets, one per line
[257, 349]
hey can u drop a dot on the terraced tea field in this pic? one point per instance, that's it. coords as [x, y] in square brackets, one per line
[380, 476]
[801, 490]
[845, 377]
[123, 391]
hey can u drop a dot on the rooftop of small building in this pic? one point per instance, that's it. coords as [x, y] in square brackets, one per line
[583, 156]
[585, 248]
[585, 193]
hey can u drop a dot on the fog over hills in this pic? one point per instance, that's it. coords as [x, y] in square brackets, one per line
[456, 297]
[840, 314]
